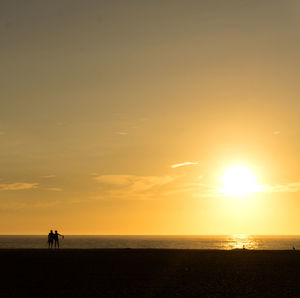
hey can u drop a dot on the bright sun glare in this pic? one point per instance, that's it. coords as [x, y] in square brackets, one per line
[239, 181]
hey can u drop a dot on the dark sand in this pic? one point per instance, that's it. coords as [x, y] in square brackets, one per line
[149, 273]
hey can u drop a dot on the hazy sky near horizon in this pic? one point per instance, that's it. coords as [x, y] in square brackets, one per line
[119, 117]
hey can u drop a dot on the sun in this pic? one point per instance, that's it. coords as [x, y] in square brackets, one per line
[238, 181]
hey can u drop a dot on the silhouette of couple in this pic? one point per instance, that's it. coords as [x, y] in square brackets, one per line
[54, 237]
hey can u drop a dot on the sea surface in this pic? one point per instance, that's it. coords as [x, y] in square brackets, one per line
[159, 242]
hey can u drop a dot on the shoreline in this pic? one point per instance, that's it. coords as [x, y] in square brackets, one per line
[146, 250]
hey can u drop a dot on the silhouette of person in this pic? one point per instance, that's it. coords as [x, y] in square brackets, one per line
[50, 239]
[56, 238]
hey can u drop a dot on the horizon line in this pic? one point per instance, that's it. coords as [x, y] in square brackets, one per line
[161, 235]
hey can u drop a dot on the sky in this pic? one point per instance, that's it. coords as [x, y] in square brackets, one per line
[120, 117]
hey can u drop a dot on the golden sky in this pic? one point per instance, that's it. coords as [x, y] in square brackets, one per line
[121, 117]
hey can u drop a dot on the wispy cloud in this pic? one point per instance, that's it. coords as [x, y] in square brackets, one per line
[13, 206]
[148, 187]
[122, 133]
[54, 189]
[18, 186]
[134, 187]
[118, 180]
[49, 176]
[276, 188]
[142, 182]
[183, 164]
[289, 187]
[128, 187]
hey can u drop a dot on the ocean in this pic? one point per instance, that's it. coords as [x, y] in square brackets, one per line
[157, 242]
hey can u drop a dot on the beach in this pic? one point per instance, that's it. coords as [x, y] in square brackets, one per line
[149, 273]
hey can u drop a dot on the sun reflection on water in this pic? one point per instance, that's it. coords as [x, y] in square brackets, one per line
[241, 241]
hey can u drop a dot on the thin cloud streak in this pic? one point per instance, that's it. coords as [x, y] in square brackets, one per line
[134, 187]
[18, 186]
[55, 189]
[13, 206]
[289, 187]
[122, 133]
[49, 176]
[183, 164]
